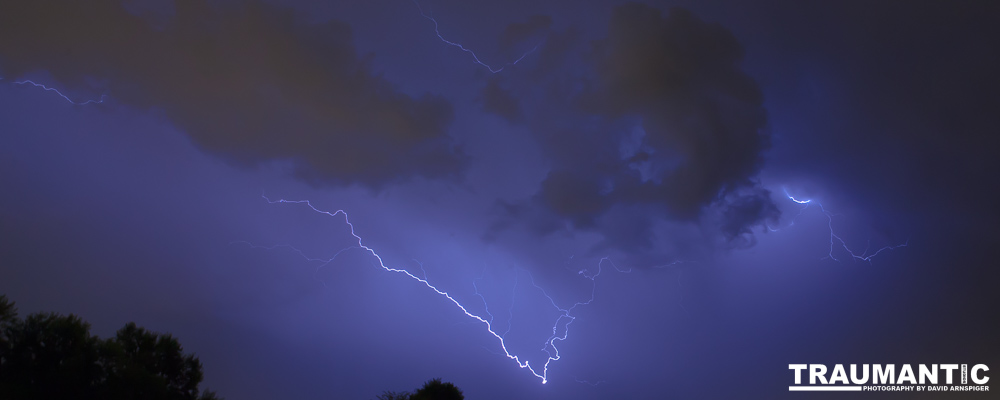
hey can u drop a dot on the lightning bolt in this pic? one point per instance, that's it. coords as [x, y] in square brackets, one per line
[792, 198]
[560, 327]
[565, 318]
[57, 92]
[835, 239]
[475, 58]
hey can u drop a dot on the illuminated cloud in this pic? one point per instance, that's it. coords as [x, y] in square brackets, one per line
[655, 123]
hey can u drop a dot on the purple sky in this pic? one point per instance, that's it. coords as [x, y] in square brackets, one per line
[660, 138]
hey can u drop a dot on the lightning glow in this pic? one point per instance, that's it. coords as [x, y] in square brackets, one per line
[560, 327]
[475, 58]
[835, 239]
[57, 92]
[792, 198]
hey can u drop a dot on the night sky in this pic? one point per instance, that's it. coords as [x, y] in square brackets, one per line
[651, 157]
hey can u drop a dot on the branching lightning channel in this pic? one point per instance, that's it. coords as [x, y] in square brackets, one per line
[437, 31]
[57, 92]
[587, 382]
[560, 328]
[835, 239]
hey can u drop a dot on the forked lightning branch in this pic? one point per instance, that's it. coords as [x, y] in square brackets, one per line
[891, 378]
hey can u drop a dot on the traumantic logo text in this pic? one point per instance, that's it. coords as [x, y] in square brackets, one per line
[891, 377]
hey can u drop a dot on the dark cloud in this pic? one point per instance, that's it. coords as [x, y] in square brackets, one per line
[246, 81]
[523, 36]
[498, 100]
[655, 124]
[517, 40]
[743, 210]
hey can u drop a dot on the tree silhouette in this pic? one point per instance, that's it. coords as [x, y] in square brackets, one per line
[434, 389]
[390, 395]
[147, 365]
[51, 356]
[8, 314]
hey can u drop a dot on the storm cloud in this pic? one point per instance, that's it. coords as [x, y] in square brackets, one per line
[657, 119]
[629, 133]
[246, 81]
